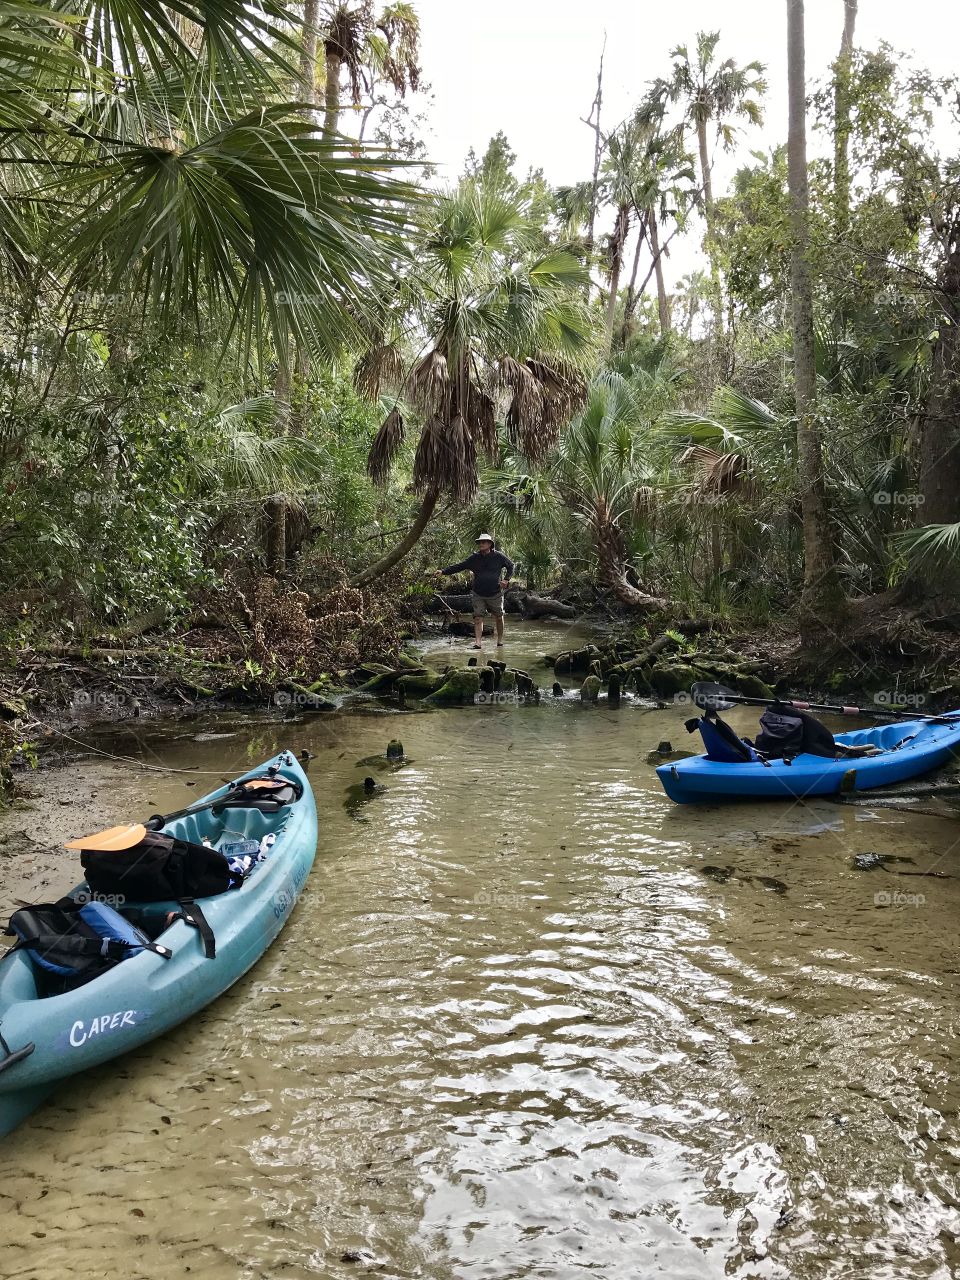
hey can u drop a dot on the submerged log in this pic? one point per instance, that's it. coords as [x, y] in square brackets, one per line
[420, 686]
[543, 607]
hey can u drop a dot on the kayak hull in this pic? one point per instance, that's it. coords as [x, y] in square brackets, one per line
[908, 749]
[146, 995]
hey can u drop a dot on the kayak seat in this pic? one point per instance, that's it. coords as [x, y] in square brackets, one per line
[720, 741]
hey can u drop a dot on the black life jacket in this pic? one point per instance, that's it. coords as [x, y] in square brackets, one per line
[160, 868]
[73, 941]
[786, 731]
[163, 868]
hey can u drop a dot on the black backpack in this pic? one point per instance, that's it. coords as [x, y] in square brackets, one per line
[787, 731]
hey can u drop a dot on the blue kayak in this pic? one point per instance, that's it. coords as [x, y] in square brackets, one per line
[147, 994]
[907, 749]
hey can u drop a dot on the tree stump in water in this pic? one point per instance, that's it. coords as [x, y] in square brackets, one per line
[614, 691]
[590, 689]
[458, 689]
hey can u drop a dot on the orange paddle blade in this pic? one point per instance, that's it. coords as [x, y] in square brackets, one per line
[264, 783]
[124, 837]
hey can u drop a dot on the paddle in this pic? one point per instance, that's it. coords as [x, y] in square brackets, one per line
[128, 835]
[234, 789]
[710, 697]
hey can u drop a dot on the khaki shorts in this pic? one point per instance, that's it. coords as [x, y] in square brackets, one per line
[487, 604]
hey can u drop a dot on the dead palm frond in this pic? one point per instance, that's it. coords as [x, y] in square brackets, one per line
[380, 367]
[428, 382]
[386, 445]
[446, 458]
[717, 473]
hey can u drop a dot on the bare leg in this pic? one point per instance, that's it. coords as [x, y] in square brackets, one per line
[478, 631]
[499, 622]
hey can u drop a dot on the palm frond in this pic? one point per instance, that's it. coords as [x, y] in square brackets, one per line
[386, 445]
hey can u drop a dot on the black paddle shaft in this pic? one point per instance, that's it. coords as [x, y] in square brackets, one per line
[234, 789]
[710, 697]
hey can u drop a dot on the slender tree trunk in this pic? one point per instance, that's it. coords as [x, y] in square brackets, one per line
[308, 52]
[822, 599]
[663, 302]
[716, 289]
[617, 246]
[281, 539]
[841, 122]
[705, 176]
[631, 302]
[593, 120]
[407, 543]
[940, 438]
[331, 90]
[276, 508]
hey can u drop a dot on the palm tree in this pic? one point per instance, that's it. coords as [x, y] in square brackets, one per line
[643, 178]
[124, 163]
[710, 93]
[365, 45]
[604, 475]
[501, 328]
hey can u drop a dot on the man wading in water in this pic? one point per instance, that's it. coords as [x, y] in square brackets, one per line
[486, 566]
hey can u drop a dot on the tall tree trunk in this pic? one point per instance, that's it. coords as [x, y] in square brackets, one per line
[705, 176]
[716, 289]
[331, 89]
[308, 52]
[663, 302]
[406, 544]
[630, 304]
[281, 534]
[618, 244]
[841, 122]
[593, 120]
[276, 508]
[822, 598]
[940, 438]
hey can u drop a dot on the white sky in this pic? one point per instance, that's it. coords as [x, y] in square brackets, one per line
[529, 67]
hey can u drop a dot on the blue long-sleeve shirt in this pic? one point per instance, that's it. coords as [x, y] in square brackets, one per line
[486, 567]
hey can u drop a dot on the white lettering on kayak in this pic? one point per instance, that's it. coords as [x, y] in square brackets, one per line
[81, 1032]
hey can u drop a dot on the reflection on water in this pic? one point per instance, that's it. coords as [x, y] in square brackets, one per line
[518, 1028]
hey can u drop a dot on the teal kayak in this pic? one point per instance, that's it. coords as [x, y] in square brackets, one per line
[45, 1040]
[904, 750]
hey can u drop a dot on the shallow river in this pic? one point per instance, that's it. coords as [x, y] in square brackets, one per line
[529, 1020]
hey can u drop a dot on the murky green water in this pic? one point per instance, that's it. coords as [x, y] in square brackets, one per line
[531, 1020]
